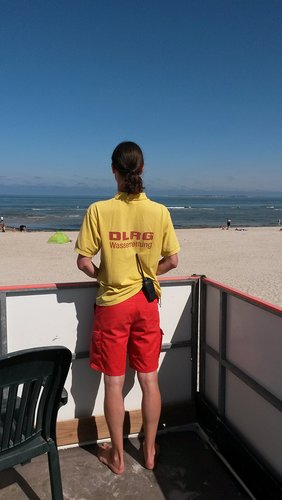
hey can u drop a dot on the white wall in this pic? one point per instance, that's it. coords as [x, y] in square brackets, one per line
[64, 316]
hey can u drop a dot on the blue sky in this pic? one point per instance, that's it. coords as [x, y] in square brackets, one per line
[197, 83]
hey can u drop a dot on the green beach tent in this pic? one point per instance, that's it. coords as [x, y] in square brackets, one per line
[59, 237]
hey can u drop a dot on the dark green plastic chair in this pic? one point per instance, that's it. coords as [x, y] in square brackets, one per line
[31, 388]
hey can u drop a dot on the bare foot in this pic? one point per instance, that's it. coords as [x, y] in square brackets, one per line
[151, 458]
[106, 457]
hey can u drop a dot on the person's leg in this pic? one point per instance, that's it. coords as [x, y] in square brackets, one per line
[114, 414]
[151, 409]
[108, 350]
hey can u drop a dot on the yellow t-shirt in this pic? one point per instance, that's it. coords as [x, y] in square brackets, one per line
[122, 227]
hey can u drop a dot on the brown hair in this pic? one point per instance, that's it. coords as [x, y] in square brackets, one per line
[128, 160]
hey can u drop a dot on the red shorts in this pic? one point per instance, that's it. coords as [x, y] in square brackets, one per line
[132, 327]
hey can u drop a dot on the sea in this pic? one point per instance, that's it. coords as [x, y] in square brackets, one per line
[65, 213]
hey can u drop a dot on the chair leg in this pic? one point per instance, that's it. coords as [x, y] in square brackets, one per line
[55, 473]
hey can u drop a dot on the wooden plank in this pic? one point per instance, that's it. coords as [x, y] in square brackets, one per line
[90, 429]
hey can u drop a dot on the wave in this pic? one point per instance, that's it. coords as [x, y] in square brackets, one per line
[190, 208]
[40, 209]
[36, 216]
[176, 208]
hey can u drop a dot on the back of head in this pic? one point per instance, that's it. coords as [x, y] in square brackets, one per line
[128, 160]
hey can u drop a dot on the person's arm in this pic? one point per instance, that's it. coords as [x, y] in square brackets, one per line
[167, 263]
[86, 265]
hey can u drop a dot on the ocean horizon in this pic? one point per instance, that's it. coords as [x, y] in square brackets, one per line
[65, 213]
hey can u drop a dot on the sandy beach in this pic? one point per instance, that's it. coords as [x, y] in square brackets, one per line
[249, 260]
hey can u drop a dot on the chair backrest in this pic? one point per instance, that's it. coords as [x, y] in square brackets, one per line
[31, 384]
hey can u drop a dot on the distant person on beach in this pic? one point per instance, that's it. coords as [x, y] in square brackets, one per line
[228, 223]
[133, 233]
[2, 225]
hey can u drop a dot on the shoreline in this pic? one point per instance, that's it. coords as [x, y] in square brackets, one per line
[249, 260]
[241, 227]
